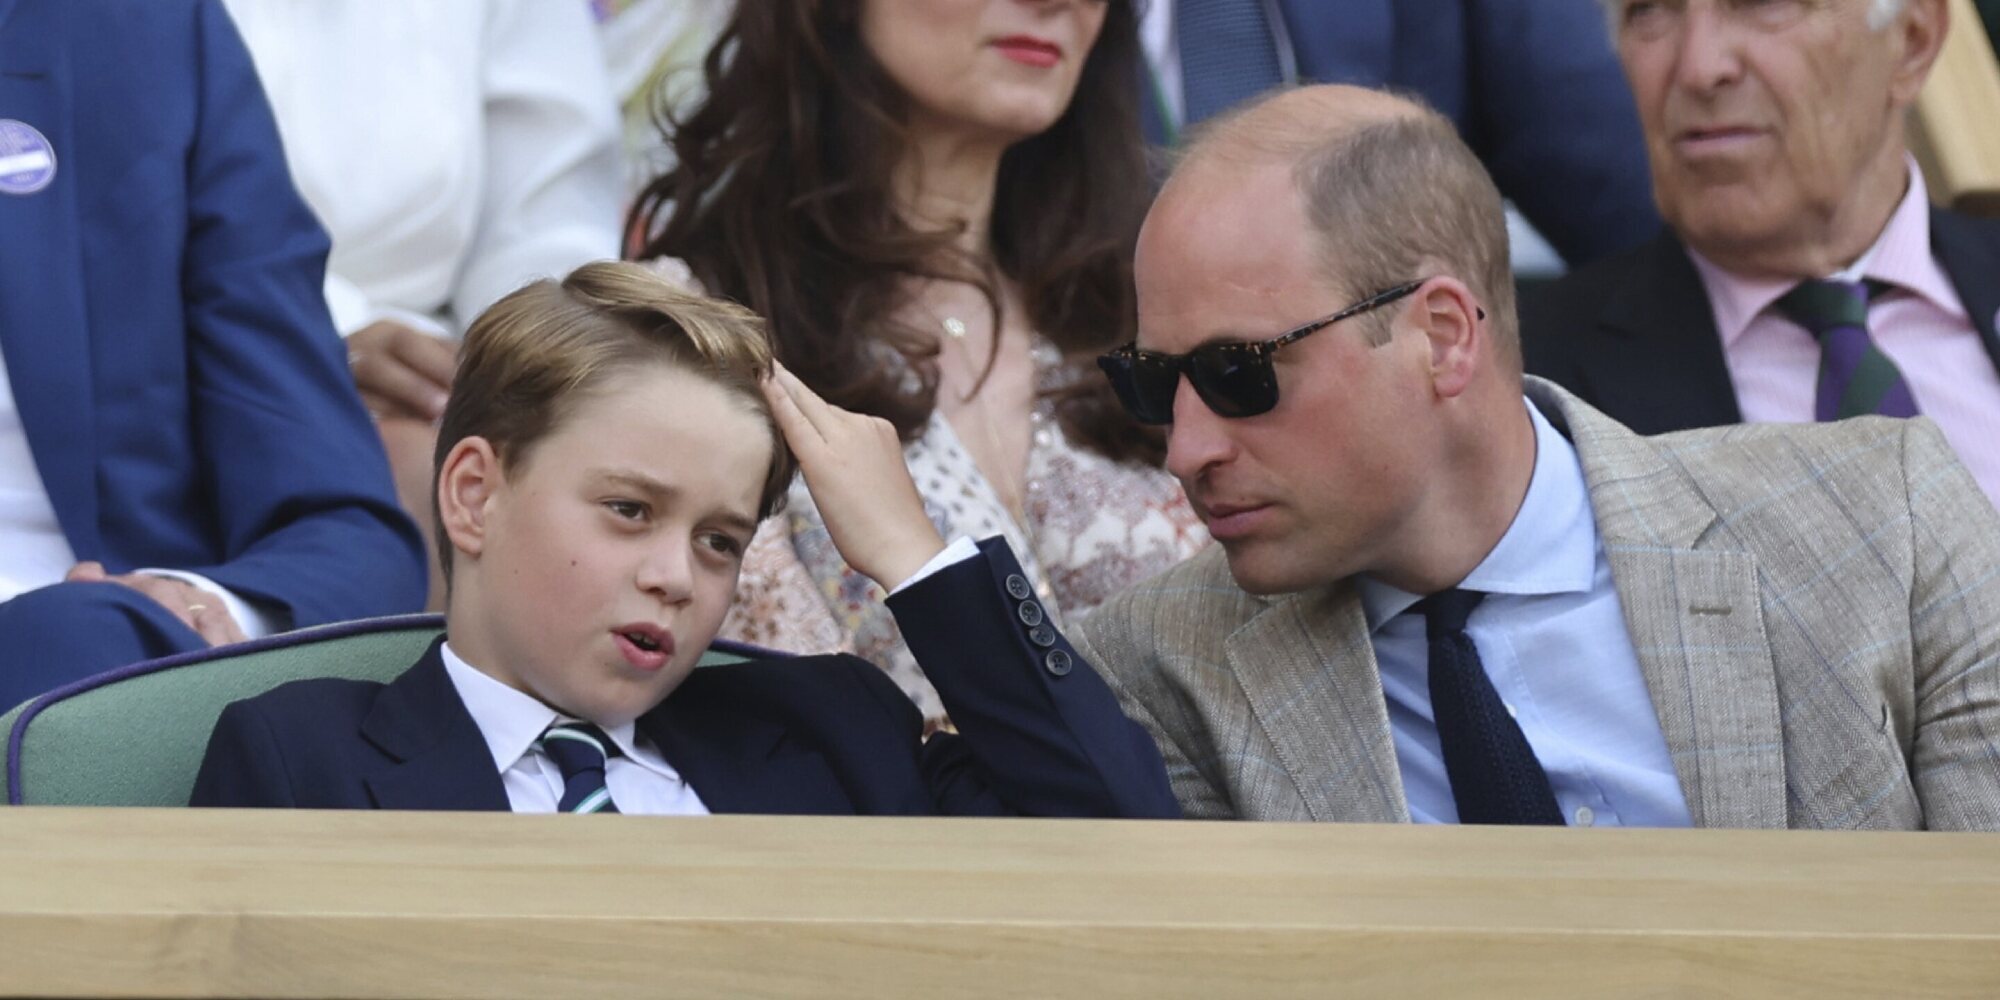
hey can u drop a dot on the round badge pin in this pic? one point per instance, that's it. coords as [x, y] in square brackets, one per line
[27, 161]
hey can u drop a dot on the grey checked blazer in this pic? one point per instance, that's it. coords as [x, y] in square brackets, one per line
[1816, 609]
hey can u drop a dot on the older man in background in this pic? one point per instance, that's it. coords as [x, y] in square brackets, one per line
[1445, 593]
[1806, 276]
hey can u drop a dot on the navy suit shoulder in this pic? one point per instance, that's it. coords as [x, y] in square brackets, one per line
[1968, 248]
[1634, 336]
[294, 746]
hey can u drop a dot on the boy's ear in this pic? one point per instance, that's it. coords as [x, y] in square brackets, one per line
[466, 485]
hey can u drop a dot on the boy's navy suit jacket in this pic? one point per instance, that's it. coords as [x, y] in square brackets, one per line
[1039, 731]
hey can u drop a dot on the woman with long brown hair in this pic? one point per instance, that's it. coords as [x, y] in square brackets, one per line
[934, 203]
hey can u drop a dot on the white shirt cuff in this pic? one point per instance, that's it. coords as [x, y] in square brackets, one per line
[960, 549]
[255, 622]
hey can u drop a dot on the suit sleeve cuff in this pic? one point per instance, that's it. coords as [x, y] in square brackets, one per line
[960, 549]
[255, 622]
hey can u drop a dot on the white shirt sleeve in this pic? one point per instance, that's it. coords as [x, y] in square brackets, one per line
[352, 310]
[960, 549]
[255, 622]
[554, 190]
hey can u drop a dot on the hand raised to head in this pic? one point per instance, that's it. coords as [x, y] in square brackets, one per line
[854, 468]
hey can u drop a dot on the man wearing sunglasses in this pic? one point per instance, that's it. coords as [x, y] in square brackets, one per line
[1448, 593]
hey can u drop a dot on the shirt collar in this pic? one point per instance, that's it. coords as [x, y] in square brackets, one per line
[511, 721]
[1900, 256]
[1551, 548]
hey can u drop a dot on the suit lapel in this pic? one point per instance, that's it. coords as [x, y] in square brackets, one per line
[1695, 619]
[44, 329]
[1972, 261]
[738, 762]
[437, 758]
[1308, 670]
[1660, 356]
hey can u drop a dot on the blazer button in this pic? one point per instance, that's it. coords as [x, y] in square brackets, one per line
[1031, 614]
[1058, 662]
[1017, 587]
[1042, 635]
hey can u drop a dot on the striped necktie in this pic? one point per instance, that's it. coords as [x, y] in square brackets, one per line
[1227, 53]
[580, 751]
[1855, 377]
[1495, 776]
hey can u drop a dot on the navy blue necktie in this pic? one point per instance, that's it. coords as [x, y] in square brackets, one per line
[1495, 777]
[1227, 54]
[580, 751]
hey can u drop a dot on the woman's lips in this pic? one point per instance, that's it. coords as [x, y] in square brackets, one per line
[1027, 51]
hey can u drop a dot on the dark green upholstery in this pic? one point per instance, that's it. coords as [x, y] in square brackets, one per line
[135, 736]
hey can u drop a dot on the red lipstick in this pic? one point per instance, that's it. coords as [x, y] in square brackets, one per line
[1029, 50]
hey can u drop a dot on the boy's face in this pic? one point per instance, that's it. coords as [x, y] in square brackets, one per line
[603, 563]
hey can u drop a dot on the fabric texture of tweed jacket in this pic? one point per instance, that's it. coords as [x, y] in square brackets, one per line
[1816, 609]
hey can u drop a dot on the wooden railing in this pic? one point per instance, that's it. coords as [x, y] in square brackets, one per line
[156, 903]
[1955, 129]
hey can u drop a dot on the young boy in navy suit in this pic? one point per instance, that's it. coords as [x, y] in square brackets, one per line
[610, 446]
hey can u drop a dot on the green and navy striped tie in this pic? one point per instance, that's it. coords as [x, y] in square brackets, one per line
[580, 751]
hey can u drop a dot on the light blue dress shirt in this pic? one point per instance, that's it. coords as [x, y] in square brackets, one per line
[1551, 634]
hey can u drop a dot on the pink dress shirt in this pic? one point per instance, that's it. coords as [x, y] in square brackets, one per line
[1921, 325]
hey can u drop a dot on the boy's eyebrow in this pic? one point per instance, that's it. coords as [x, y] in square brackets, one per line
[655, 489]
[638, 481]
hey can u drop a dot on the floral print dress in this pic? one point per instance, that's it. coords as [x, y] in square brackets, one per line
[1094, 527]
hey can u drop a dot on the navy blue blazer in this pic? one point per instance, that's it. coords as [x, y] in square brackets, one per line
[1635, 335]
[165, 331]
[1533, 85]
[1039, 732]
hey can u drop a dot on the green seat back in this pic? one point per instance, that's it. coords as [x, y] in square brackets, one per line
[135, 736]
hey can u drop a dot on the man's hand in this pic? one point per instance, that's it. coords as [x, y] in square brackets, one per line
[196, 608]
[854, 467]
[401, 372]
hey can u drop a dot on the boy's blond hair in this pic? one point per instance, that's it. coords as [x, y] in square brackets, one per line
[531, 358]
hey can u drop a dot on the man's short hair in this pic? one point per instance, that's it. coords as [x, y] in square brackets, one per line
[534, 356]
[1392, 194]
[1391, 201]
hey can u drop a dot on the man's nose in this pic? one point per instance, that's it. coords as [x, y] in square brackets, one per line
[1706, 56]
[1197, 439]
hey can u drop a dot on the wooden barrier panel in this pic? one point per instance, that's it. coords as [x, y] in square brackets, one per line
[1955, 130]
[157, 903]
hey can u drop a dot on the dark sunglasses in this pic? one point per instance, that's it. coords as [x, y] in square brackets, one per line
[1234, 379]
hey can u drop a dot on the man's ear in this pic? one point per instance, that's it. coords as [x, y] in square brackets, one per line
[1920, 32]
[466, 485]
[1454, 326]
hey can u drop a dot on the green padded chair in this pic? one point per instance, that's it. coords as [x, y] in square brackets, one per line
[135, 736]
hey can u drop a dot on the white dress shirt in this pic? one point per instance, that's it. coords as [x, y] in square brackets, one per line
[1551, 635]
[641, 781]
[454, 149]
